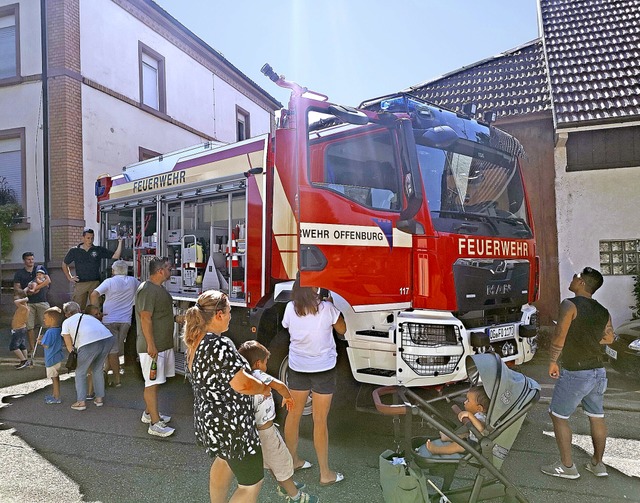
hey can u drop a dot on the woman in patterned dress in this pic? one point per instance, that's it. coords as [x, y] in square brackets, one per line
[223, 408]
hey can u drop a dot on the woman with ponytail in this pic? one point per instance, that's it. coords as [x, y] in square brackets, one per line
[223, 407]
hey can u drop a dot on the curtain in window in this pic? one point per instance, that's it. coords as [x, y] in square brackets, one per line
[11, 165]
[150, 92]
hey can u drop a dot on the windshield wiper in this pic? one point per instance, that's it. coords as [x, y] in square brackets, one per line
[490, 220]
[482, 217]
[515, 221]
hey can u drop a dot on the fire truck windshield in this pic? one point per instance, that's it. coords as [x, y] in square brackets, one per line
[474, 190]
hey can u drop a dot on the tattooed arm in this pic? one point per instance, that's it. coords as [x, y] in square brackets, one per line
[568, 313]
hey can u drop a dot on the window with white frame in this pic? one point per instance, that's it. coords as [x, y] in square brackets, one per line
[12, 162]
[620, 257]
[242, 121]
[152, 79]
[9, 53]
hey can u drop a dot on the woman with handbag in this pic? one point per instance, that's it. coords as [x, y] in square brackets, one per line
[312, 361]
[92, 341]
[222, 400]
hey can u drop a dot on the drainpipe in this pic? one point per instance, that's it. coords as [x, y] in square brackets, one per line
[45, 130]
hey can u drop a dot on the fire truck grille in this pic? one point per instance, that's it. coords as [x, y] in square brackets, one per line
[432, 336]
[425, 365]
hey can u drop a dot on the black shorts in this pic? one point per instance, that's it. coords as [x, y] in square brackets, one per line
[248, 470]
[323, 383]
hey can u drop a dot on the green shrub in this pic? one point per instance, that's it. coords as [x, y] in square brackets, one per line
[635, 310]
[10, 211]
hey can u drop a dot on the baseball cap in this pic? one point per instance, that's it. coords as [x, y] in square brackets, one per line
[41, 269]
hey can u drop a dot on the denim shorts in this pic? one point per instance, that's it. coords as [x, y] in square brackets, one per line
[576, 387]
[18, 339]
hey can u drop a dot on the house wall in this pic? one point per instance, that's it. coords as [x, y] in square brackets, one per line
[535, 132]
[96, 121]
[592, 206]
[20, 108]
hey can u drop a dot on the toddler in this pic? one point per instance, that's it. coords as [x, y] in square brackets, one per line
[18, 342]
[53, 354]
[475, 409]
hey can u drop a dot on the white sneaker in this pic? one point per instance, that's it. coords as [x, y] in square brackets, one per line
[160, 429]
[146, 418]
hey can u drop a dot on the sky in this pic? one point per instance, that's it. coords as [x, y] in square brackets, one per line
[353, 50]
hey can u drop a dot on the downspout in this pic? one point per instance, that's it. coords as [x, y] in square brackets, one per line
[45, 129]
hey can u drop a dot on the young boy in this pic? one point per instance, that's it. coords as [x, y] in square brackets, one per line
[475, 409]
[18, 342]
[274, 451]
[53, 355]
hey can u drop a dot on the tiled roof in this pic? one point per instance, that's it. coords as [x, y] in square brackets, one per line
[593, 54]
[511, 83]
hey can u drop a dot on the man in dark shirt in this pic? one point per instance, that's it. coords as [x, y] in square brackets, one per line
[583, 326]
[37, 295]
[86, 258]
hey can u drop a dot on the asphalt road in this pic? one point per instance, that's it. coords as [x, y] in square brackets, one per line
[51, 453]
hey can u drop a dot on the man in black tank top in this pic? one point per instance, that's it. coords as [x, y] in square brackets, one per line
[583, 326]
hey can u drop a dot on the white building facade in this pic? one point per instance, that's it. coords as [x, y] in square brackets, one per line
[125, 82]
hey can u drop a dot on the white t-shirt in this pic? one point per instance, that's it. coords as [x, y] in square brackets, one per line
[263, 406]
[312, 347]
[91, 329]
[119, 292]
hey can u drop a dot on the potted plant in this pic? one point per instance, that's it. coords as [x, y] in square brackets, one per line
[10, 212]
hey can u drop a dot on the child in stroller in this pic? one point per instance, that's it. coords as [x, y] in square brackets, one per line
[511, 395]
[475, 410]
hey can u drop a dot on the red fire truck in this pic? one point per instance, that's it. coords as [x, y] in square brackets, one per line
[414, 217]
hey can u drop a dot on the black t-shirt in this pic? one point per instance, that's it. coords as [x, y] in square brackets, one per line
[25, 277]
[87, 263]
[582, 349]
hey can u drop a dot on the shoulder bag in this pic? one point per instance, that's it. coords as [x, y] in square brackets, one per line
[72, 360]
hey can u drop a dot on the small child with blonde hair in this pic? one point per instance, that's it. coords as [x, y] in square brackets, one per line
[53, 354]
[18, 342]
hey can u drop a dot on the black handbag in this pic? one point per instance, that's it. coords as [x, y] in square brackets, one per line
[72, 359]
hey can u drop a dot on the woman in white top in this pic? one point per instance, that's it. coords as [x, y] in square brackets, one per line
[312, 361]
[93, 343]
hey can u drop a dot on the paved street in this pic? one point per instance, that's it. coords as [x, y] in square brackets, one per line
[53, 454]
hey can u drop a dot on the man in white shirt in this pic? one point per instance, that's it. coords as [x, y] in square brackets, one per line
[119, 293]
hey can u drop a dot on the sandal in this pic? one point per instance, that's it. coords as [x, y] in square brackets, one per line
[79, 406]
[98, 402]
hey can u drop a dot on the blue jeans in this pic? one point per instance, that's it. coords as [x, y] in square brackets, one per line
[92, 357]
[579, 386]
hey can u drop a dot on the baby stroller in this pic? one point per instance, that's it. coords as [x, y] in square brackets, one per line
[511, 396]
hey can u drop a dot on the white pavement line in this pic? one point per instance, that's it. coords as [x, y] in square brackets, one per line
[623, 454]
[44, 482]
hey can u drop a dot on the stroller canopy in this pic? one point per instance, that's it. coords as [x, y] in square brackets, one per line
[508, 390]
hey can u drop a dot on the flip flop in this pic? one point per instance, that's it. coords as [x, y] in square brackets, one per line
[339, 478]
[77, 406]
[304, 466]
[98, 404]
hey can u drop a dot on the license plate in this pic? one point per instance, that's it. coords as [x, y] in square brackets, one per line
[502, 332]
[611, 352]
